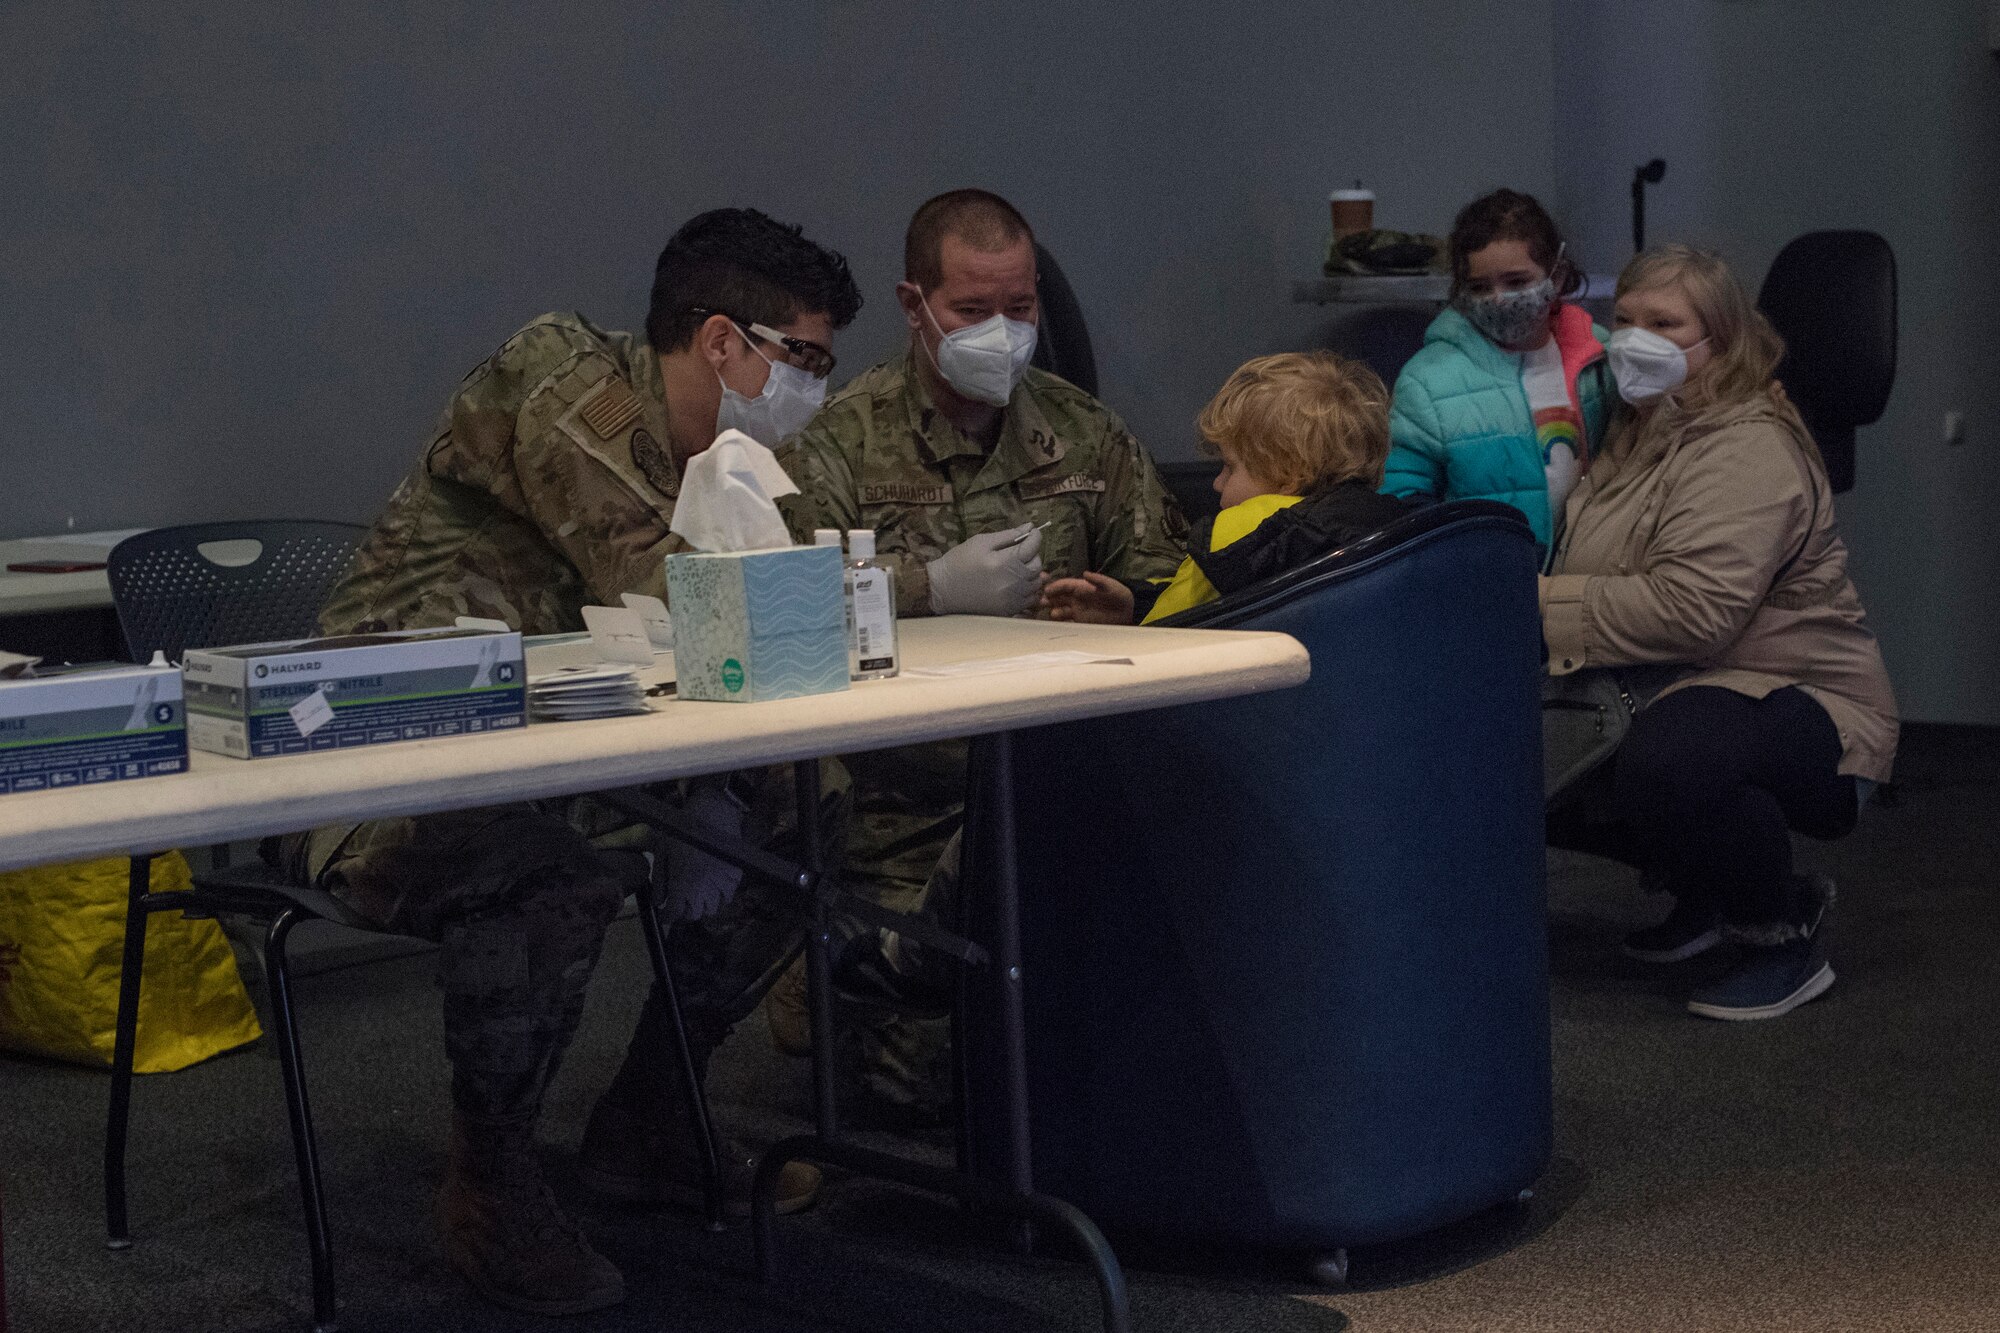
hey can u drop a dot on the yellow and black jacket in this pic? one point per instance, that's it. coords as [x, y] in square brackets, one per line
[1268, 535]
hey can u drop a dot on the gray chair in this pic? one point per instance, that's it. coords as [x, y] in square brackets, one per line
[205, 585]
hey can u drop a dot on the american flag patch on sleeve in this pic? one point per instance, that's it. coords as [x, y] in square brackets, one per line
[610, 409]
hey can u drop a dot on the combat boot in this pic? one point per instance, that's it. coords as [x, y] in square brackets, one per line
[788, 1012]
[504, 1233]
[640, 1147]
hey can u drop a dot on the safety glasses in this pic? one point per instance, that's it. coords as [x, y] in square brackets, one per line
[808, 356]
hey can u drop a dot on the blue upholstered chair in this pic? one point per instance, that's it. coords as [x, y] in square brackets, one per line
[1286, 955]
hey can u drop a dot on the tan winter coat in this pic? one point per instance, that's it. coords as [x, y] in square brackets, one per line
[1710, 540]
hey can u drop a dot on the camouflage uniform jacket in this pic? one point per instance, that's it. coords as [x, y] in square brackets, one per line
[881, 455]
[548, 486]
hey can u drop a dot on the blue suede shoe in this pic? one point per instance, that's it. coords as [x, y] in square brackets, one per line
[1776, 978]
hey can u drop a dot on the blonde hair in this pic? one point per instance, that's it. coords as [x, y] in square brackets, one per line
[1744, 350]
[1302, 420]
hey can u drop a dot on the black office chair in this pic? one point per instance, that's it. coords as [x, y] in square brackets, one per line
[1193, 484]
[1062, 347]
[204, 585]
[172, 594]
[1832, 296]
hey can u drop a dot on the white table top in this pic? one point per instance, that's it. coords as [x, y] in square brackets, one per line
[25, 593]
[1413, 288]
[221, 799]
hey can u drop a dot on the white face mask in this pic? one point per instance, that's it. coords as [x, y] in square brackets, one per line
[1645, 364]
[983, 361]
[789, 399]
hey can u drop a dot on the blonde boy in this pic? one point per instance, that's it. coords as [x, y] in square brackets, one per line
[1303, 437]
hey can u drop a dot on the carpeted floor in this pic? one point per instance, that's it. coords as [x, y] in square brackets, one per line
[1832, 1170]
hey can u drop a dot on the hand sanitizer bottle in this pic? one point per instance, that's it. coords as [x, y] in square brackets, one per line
[871, 610]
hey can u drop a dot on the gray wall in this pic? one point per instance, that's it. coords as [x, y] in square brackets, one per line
[250, 248]
[246, 250]
[1784, 116]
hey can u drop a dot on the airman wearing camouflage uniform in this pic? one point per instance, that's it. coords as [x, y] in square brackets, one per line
[549, 485]
[882, 455]
[892, 452]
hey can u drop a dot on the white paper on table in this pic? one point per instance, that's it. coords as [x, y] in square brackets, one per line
[659, 625]
[619, 633]
[311, 713]
[994, 666]
[102, 541]
[579, 693]
[483, 623]
[728, 495]
[584, 682]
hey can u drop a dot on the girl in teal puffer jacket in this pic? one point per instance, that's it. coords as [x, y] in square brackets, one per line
[1510, 396]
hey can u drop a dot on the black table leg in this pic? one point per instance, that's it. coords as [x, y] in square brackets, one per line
[991, 888]
[990, 879]
[124, 1044]
[655, 932]
[819, 949]
[298, 1107]
[992, 777]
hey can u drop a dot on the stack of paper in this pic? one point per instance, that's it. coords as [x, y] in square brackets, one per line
[574, 693]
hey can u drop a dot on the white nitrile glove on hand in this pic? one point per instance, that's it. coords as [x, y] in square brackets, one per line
[698, 885]
[993, 574]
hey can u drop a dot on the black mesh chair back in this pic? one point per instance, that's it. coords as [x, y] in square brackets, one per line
[1062, 346]
[1831, 295]
[269, 584]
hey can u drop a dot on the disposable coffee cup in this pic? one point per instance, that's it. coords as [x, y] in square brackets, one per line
[1353, 210]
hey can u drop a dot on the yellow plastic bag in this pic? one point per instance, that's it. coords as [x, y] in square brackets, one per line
[62, 940]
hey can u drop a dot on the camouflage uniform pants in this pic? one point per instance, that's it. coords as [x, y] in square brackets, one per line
[518, 898]
[908, 805]
[517, 901]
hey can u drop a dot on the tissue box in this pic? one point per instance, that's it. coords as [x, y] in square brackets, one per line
[755, 625]
[95, 725]
[267, 699]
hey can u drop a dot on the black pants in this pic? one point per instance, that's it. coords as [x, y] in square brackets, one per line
[1705, 792]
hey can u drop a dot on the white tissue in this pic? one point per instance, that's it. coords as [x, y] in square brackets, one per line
[727, 494]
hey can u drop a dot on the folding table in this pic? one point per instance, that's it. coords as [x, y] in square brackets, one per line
[222, 799]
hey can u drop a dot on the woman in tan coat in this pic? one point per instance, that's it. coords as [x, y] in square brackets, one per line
[1703, 539]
